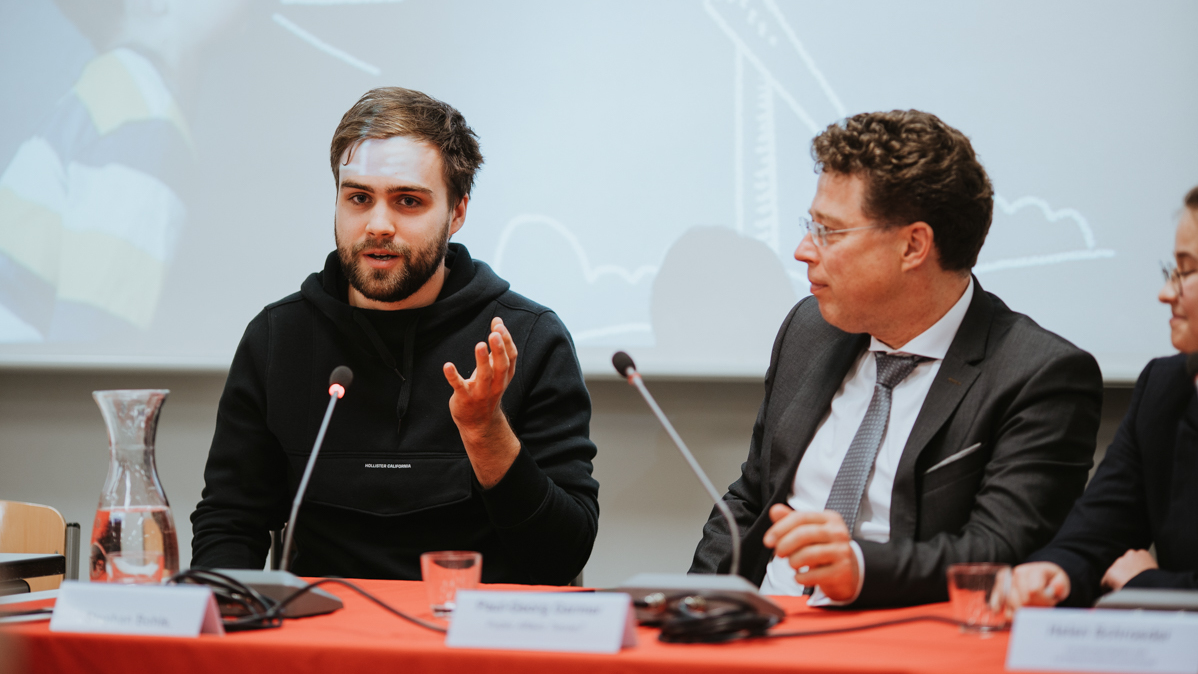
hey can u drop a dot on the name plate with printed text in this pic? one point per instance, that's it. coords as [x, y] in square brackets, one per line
[1104, 640]
[152, 610]
[580, 622]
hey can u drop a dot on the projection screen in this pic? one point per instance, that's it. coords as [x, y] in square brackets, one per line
[165, 164]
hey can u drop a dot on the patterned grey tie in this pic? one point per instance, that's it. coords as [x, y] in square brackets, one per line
[849, 486]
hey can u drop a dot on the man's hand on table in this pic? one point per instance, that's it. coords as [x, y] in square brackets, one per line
[1038, 584]
[490, 442]
[817, 545]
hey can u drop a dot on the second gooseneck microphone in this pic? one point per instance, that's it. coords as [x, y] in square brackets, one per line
[339, 380]
[627, 369]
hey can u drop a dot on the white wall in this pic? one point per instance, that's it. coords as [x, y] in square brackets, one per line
[53, 450]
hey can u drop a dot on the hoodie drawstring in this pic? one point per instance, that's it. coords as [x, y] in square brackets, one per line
[409, 339]
[405, 389]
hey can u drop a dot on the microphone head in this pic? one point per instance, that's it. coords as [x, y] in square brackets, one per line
[341, 375]
[1192, 364]
[623, 363]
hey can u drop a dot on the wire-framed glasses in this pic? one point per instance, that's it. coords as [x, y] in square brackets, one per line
[819, 233]
[1175, 276]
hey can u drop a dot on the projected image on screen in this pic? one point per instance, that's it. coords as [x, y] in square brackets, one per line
[90, 212]
[647, 164]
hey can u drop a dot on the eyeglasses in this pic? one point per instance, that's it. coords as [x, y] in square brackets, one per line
[819, 233]
[1175, 276]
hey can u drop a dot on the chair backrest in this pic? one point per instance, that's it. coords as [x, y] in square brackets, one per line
[32, 528]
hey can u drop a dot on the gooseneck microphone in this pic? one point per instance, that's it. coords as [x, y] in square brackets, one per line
[280, 585]
[696, 607]
[627, 369]
[339, 380]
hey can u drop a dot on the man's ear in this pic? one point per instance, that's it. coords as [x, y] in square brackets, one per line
[458, 215]
[919, 245]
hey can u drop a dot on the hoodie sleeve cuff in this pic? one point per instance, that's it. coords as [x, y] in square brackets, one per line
[519, 495]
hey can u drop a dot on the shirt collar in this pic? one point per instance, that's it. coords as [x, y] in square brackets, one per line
[933, 342]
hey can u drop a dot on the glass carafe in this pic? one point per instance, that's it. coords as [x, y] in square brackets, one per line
[133, 538]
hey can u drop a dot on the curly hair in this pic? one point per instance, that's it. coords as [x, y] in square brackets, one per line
[387, 112]
[916, 168]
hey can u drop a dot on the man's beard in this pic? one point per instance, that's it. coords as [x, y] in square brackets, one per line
[398, 284]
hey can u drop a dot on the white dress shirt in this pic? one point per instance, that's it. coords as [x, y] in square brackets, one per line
[821, 462]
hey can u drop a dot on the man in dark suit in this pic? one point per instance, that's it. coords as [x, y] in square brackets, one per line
[1146, 490]
[911, 420]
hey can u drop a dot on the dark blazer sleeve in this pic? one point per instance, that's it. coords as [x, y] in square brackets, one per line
[245, 490]
[546, 507]
[1041, 444]
[746, 497]
[1112, 517]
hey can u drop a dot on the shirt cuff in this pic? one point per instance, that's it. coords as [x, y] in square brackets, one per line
[818, 598]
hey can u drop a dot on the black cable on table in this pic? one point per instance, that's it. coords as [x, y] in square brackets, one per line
[859, 628]
[27, 612]
[735, 620]
[262, 612]
[338, 581]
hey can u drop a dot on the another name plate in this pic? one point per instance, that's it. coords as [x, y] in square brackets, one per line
[583, 622]
[1100, 640]
[157, 610]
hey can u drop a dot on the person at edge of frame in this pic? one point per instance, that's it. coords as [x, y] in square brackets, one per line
[1145, 491]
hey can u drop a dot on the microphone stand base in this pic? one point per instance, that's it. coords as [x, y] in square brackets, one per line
[279, 585]
[648, 590]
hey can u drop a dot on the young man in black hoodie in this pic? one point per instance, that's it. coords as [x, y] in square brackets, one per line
[417, 457]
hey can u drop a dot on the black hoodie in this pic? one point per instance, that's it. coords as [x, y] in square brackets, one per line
[393, 479]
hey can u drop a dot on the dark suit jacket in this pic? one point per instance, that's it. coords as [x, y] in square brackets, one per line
[1029, 397]
[1145, 492]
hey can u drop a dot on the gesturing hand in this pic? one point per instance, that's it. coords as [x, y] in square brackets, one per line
[475, 406]
[817, 545]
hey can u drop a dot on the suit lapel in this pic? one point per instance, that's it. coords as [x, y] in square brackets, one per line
[957, 374]
[1191, 413]
[1184, 499]
[810, 402]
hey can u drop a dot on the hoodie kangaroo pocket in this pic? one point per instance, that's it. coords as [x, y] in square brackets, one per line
[386, 483]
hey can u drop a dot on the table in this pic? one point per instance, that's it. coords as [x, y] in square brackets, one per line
[363, 637]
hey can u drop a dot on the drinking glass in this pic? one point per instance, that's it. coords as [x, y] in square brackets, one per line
[978, 593]
[446, 572]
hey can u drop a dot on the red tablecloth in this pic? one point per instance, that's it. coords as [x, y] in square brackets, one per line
[363, 637]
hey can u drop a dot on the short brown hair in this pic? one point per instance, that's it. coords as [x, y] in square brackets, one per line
[387, 112]
[916, 168]
[1192, 199]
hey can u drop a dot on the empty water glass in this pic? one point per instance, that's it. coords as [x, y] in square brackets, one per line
[978, 593]
[446, 572]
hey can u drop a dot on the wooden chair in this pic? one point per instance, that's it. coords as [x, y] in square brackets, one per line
[39, 529]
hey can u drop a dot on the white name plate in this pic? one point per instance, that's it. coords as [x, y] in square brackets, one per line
[158, 610]
[1104, 640]
[582, 622]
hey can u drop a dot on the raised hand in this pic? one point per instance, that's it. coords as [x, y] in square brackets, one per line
[475, 406]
